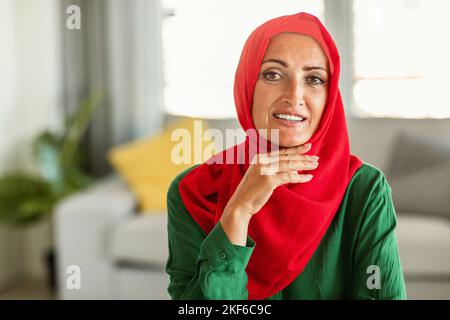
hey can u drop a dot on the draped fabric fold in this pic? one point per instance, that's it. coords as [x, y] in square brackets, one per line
[290, 226]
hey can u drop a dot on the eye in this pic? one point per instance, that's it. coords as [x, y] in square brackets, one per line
[272, 76]
[315, 80]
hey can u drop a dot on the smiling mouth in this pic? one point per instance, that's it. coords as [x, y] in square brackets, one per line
[289, 117]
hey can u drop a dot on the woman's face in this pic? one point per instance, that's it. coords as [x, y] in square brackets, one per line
[292, 85]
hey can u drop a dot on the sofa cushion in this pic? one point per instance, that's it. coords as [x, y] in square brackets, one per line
[412, 152]
[425, 191]
[141, 242]
[424, 245]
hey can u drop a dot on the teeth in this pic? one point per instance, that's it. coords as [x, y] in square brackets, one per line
[288, 117]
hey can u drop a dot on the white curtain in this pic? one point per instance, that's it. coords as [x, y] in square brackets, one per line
[118, 51]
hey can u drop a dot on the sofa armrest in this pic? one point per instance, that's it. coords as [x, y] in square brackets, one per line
[83, 225]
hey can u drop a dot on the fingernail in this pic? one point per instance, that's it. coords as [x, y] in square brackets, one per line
[316, 158]
[308, 145]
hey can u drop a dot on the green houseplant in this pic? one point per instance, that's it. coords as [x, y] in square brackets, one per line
[26, 197]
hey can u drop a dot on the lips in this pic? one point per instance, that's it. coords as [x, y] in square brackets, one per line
[289, 113]
[290, 123]
[283, 116]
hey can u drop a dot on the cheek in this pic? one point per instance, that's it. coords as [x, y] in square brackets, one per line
[317, 105]
[261, 106]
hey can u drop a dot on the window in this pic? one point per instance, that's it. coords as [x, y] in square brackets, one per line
[202, 43]
[401, 65]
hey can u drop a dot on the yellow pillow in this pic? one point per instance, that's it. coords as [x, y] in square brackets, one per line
[149, 165]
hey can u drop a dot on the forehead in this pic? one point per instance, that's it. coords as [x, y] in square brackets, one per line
[294, 46]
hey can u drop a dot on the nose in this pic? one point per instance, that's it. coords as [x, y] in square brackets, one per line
[294, 94]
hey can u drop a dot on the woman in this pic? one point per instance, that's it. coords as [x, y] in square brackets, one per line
[236, 233]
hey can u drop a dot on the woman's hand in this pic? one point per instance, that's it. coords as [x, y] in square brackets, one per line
[265, 174]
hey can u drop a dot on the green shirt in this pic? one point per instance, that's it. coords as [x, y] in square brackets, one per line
[356, 259]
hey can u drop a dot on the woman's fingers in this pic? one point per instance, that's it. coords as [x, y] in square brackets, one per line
[288, 166]
[286, 160]
[296, 165]
[265, 159]
[292, 177]
[294, 157]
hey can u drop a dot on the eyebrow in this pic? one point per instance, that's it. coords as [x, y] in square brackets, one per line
[284, 64]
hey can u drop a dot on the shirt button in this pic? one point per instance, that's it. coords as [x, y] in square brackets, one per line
[222, 255]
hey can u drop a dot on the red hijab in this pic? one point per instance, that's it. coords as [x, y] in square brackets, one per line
[290, 226]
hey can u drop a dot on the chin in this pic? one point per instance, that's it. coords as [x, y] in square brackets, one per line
[290, 139]
[287, 142]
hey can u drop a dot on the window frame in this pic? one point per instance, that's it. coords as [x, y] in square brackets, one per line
[339, 23]
[338, 17]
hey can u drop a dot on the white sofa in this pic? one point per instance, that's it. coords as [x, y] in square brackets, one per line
[122, 254]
